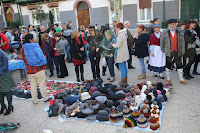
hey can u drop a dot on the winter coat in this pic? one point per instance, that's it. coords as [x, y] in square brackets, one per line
[141, 45]
[122, 47]
[53, 41]
[130, 41]
[60, 46]
[106, 48]
[190, 44]
[75, 48]
[165, 42]
[3, 63]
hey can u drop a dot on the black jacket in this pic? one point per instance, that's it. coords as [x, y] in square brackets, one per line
[141, 45]
[75, 48]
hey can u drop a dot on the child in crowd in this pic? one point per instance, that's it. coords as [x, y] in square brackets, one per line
[8, 54]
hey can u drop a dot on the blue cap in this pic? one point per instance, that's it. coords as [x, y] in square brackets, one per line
[156, 26]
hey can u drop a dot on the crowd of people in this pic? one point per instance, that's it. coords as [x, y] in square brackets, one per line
[53, 46]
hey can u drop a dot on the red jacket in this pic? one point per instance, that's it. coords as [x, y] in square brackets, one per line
[4, 39]
[53, 42]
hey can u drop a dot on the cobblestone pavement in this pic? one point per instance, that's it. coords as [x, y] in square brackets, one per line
[181, 114]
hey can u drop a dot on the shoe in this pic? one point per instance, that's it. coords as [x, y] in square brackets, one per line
[108, 78]
[180, 73]
[60, 76]
[190, 76]
[139, 75]
[78, 80]
[2, 109]
[186, 76]
[116, 64]
[9, 110]
[155, 74]
[112, 79]
[47, 99]
[82, 79]
[143, 76]
[131, 67]
[123, 80]
[103, 74]
[196, 73]
[162, 77]
[51, 75]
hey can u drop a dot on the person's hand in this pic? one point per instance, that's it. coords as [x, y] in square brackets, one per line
[82, 49]
[153, 54]
[111, 55]
[136, 36]
[55, 49]
[97, 49]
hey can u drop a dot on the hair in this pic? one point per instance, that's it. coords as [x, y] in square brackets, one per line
[115, 21]
[120, 25]
[188, 24]
[29, 26]
[57, 34]
[82, 27]
[74, 34]
[15, 30]
[7, 51]
[96, 24]
[155, 19]
[28, 37]
[180, 24]
[56, 25]
[69, 22]
[146, 29]
[91, 30]
[108, 32]
[196, 23]
[151, 21]
[42, 26]
[126, 22]
[52, 29]
[24, 30]
[45, 35]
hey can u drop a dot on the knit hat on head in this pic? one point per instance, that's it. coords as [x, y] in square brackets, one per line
[130, 122]
[113, 115]
[142, 121]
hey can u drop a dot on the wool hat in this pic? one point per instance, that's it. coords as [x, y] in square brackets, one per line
[119, 88]
[91, 102]
[126, 110]
[172, 21]
[102, 112]
[107, 109]
[167, 85]
[113, 115]
[128, 88]
[107, 85]
[128, 96]
[101, 106]
[161, 98]
[87, 111]
[88, 86]
[146, 113]
[137, 92]
[85, 95]
[94, 83]
[71, 100]
[20, 94]
[109, 103]
[91, 117]
[97, 93]
[158, 26]
[159, 86]
[13, 91]
[120, 116]
[139, 86]
[120, 92]
[28, 95]
[101, 99]
[135, 114]
[92, 89]
[142, 121]
[94, 106]
[130, 122]
[163, 93]
[154, 124]
[81, 115]
[102, 118]
[112, 87]
[99, 80]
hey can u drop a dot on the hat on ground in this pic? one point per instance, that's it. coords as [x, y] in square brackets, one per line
[101, 99]
[20, 94]
[81, 115]
[142, 121]
[130, 122]
[85, 95]
[154, 124]
[120, 116]
[113, 115]
[102, 118]
[91, 117]
[102, 112]
[94, 106]
[92, 89]
[71, 100]
[87, 111]
[172, 21]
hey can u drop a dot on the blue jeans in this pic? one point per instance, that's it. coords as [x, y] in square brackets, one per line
[85, 47]
[51, 59]
[68, 53]
[124, 70]
[110, 63]
[142, 65]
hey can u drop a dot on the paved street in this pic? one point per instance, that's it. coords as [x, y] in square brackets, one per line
[181, 114]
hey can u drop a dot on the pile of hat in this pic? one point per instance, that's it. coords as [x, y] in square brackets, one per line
[134, 105]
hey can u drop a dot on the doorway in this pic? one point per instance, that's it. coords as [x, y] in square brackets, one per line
[8, 14]
[83, 14]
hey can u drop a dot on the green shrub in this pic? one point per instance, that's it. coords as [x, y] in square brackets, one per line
[13, 24]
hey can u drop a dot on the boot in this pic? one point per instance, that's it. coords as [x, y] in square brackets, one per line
[82, 77]
[123, 80]
[78, 79]
[9, 110]
[190, 76]
[3, 108]
[112, 79]
[185, 73]
[168, 75]
[180, 73]
[143, 76]
[126, 79]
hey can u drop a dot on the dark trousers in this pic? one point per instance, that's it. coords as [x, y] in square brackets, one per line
[51, 61]
[110, 63]
[197, 60]
[130, 57]
[81, 68]
[189, 64]
[95, 59]
[174, 58]
[63, 68]
[8, 95]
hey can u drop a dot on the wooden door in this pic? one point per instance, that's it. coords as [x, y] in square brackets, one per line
[84, 17]
[8, 14]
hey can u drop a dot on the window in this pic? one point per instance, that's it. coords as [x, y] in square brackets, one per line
[112, 6]
[56, 14]
[145, 10]
[35, 22]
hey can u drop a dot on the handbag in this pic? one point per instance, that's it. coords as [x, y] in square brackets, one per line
[57, 53]
[103, 62]
[82, 55]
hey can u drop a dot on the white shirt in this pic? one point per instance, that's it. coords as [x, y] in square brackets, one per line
[172, 32]
[157, 34]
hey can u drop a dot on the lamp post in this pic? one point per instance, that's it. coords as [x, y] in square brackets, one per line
[4, 18]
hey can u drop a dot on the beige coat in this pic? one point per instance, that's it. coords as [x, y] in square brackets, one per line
[122, 48]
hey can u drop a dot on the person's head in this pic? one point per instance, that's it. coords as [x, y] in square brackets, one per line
[15, 31]
[75, 34]
[5, 29]
[120, 26]
[70, 24]
[190, 25]
[45, 37]
[57, 36]
[15, 50]
[55, 26]
[42, 28]
[108, 34]
[96, 26]
[181, 25]
[29, 38]
[172, 24]
[20, 27]
[63, 25]
[23, 27]
[150, 22]
[51, 31]
[82, 27]
[141, 28]
[127, 24]
[30, 27]
[24, 32]
[157, 28]
[156, 21]
[114, 23]
[196, 23]
[11, 29]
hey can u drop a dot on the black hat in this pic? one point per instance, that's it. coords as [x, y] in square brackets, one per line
[20, 94]
[28, 95]
[172, 21]
[91, 26]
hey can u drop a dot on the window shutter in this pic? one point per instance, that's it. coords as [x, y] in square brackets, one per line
[112, 6]
[144, 4]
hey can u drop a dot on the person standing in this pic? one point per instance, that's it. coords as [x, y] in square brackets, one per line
[42, 31]
[9, 35]
[35, 63]
[107, 51]
[190, 44]
[78, 54]
[30, 30]
[48, 45]
[141, 48]
[4, 42]
[121, 52]
[172, 43]
[60, 52]
[114, 23]
[82, 33]
[57, 28]
[6, 83]
[130, 43]
[156, 21]
[157, 59]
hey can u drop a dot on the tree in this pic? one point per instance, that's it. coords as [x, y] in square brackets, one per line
[39, 14]
[51, 17]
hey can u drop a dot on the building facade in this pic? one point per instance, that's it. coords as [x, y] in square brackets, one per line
[90, 12]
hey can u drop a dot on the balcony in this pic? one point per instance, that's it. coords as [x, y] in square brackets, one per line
[32, 2]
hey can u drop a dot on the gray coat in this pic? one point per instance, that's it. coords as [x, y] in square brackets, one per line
[165, 42]
[60, 46]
